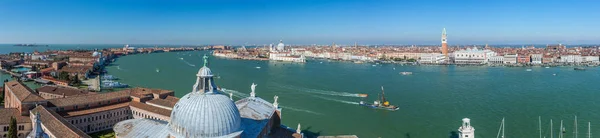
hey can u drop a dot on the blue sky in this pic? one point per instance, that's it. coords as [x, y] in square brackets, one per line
[299, 21]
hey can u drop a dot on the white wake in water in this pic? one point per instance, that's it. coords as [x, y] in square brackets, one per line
[188, 63]
[337, 100]
[119, 68]
[299, 110]
[316, 91]
[235, 93]
[244, 95]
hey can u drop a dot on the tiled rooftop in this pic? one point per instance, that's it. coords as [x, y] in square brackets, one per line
[62, 90]
[162, 102]
[89, 98]
[6, 113]
[22, 92]
[59, 126]
[93, 110]
[150, 108]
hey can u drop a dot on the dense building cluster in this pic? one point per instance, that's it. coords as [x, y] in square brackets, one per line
[431, 54]
[66, 112]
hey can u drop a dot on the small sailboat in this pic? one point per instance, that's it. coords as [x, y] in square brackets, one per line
[589, 132]
[181, 58]
[501, 129]
[157, 70]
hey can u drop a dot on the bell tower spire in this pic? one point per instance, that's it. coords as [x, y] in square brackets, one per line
[444, 43]
[466, 130]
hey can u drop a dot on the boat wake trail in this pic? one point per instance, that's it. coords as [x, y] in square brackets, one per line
[299, 110]
[235, 93]
[119, 68]
[188, 63]
[337, 100]
[316, 91]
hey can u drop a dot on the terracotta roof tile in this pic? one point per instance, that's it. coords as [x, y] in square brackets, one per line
[57, 125]
[151, 108]
[88, 98]
[93, 110]
[148, 90]
[172, 99]
[62, 90]
[6, 113]
[22, 92]
[162, 102]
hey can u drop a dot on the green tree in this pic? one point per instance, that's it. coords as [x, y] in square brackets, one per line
[63, 76]
[412, 60]
[76, 81]
[12, 128]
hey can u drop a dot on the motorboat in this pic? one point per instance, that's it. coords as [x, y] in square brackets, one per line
[406, 73]
[382, 103]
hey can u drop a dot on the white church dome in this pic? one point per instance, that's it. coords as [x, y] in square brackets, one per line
[95, 54]
[280, 46]
[205, 112]
[209, 115]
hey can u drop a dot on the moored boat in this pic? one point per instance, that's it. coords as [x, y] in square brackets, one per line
[113, 84]
[380, 104]
[579, 68]
[109, 77]
[406, 73]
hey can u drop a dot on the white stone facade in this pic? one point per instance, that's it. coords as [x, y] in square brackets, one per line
[510, 58]
[570, 59]
[591, 59]
[432, 58]
[496, 60]
[473, 56]
[536, 58]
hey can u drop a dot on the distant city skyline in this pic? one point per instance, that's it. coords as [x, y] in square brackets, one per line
[236, 22]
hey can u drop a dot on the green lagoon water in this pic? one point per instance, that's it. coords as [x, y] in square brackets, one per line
[432, 101]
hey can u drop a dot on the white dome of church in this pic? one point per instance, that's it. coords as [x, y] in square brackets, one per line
[205, 112]
[95, 54]
[205, 115]
[280, 46]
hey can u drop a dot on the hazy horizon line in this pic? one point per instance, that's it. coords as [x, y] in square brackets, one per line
[382, 44]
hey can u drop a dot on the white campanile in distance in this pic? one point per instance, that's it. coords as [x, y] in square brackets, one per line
[466, 130]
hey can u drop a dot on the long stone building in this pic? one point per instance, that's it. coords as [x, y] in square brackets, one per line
[66, 112]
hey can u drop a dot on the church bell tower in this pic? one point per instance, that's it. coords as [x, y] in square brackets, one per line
[466, 130]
